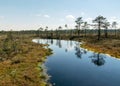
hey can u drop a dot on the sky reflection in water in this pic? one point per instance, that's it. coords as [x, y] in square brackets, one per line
[71, 65]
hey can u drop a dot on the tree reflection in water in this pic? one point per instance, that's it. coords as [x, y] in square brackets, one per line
[58, 43]
[71, 43]
[38, 42]
[47, 41]
[66, 50]
[51, 42]
[79, 51]
[69, 46]
[98, 59]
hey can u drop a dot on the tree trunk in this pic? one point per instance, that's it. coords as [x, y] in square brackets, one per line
[79, 29]
[115, 33]
[106, 33]
[99, 33]
[85, 32]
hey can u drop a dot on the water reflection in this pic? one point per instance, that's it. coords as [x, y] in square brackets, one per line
[38, 41]
[80, 72]
[47, 41]
[98, 59]
[69, 45]
[79, 51]
[52, 41]
[58, 43]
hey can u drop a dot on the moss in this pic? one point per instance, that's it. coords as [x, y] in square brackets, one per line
[107, 46]
[22, 69]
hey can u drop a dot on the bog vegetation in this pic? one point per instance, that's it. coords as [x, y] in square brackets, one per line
[100, 36]
[21, 60]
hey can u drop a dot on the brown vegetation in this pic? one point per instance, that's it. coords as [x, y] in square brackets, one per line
[107, 46]
[25, 67]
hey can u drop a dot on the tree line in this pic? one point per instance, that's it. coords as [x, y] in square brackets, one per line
[101, 27]
[100, 22]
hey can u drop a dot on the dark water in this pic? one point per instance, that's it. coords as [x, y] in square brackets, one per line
[71, 65]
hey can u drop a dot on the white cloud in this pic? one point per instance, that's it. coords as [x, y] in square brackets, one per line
[89, 20]
[70, 17]
[112, 19]
[46, 16]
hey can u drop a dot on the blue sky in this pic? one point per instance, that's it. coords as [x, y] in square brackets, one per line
[31, 14]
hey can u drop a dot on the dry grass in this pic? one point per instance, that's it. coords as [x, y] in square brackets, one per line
[22, 69]
[107, 46]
